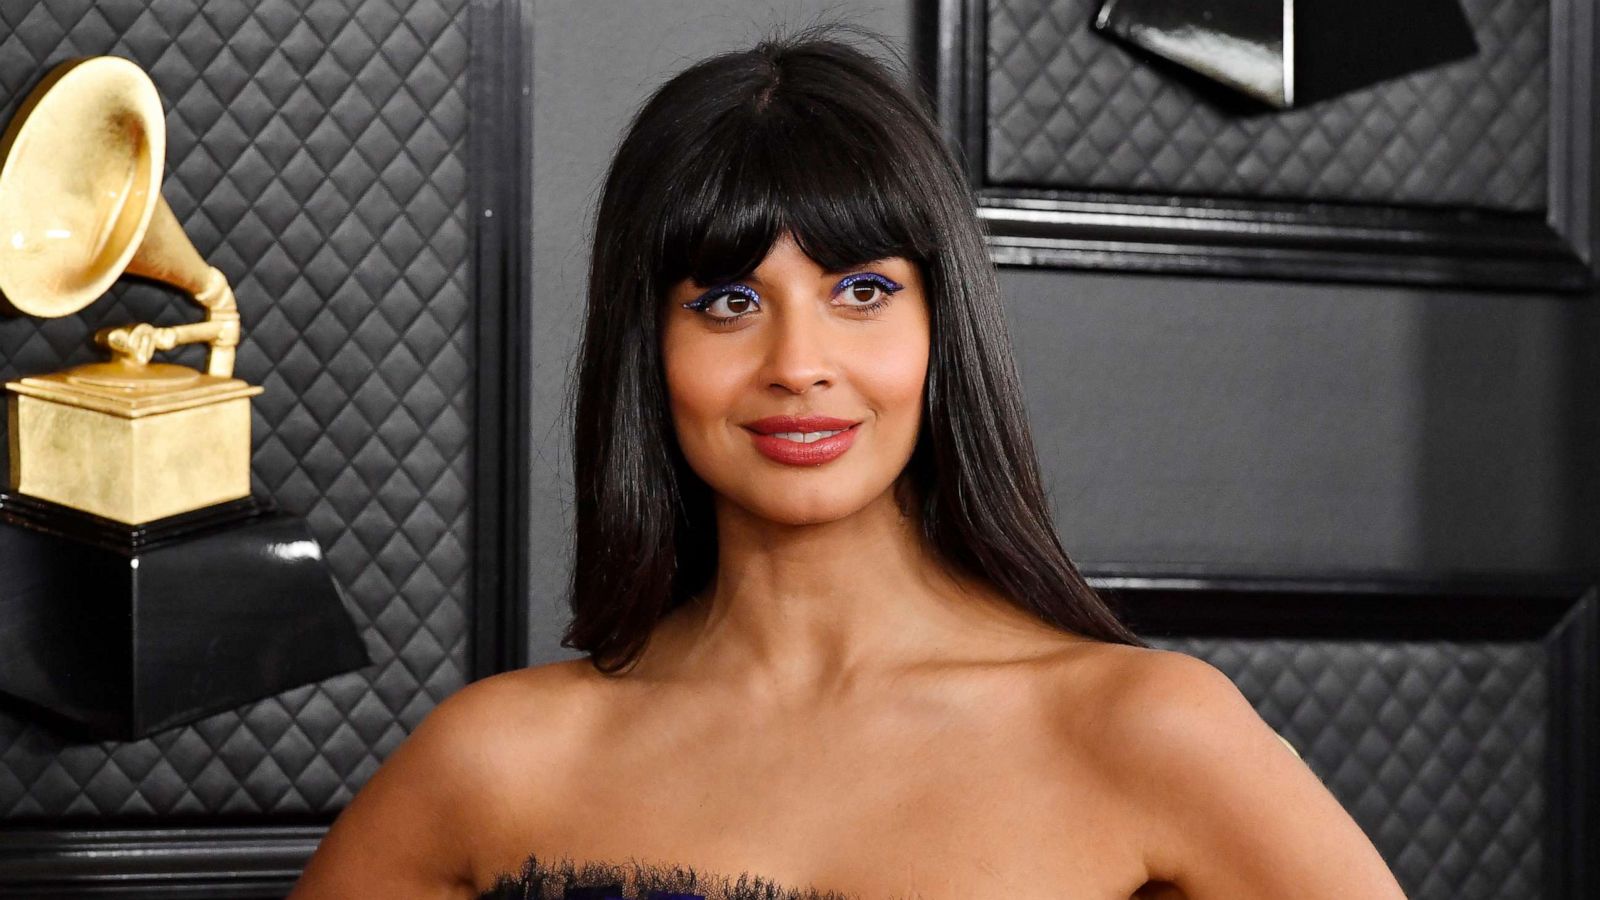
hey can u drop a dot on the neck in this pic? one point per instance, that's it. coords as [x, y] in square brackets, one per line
[810, 610]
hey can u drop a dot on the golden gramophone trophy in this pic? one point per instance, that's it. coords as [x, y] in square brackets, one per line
[141, 585]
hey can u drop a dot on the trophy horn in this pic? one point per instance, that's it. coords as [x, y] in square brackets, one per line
[81, 205]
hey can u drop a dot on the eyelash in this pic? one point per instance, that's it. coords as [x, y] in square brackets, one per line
[886, 285]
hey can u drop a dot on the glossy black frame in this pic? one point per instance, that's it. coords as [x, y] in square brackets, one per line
[1360, 242]
[262, 857]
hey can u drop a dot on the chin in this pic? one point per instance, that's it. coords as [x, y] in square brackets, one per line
[803, 506]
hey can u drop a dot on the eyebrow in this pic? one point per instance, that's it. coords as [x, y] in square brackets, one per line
[860, 265]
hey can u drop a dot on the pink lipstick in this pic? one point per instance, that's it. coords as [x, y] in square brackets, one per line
[802, 440]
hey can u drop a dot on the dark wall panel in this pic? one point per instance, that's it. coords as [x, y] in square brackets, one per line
[317, 156]
[1285, 426]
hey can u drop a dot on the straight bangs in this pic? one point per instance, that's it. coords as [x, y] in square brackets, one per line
[820, 174]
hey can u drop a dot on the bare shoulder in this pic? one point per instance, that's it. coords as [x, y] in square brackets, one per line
[414, 828]
[1224, 808]
[511, 704]
[494, 727]
[1113, 699]
[1144, 693]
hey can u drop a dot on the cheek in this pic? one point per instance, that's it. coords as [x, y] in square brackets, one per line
[900, 374]
[702, 385]
[893, 379]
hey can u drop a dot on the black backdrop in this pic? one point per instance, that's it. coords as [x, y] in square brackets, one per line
[1402, 724]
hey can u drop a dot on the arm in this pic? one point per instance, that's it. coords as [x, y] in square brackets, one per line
[1227, 812]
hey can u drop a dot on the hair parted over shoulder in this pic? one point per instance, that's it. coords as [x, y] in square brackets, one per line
[809, 135]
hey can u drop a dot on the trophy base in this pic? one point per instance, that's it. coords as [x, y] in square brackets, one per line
[118, 631]
[132, 456]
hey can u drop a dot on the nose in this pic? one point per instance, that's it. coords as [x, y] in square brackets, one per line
[798, 356]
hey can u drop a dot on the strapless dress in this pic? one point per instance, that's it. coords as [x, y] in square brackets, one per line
[564, 879]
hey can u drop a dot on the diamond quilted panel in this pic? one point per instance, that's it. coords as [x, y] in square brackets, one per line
[1435, 748]
[1071, 108]
[316, 155]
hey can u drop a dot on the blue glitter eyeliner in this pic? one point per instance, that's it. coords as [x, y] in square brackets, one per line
[699, 303]
[888, 284]
[884, 283]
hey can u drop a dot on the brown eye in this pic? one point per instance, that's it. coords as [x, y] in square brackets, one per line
[868, 292]
[726, 307]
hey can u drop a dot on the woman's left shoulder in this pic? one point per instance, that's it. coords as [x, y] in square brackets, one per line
[1127, 686]
[1224, 806]
[1150, 690]
[1123, 696]
[1148, 713]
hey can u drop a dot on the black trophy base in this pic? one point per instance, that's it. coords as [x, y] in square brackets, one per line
[119, 631]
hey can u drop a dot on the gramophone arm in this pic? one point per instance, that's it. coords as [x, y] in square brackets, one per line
[138, 342]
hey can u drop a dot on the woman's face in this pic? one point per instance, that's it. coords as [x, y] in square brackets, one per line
[761, 370]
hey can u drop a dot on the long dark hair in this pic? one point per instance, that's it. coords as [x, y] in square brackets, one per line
[809, 135]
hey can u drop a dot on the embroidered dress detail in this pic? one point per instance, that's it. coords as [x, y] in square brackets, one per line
[564, 879]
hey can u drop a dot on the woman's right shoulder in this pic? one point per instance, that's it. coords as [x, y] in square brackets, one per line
[520, 712]
[521, 693]
[477, 764]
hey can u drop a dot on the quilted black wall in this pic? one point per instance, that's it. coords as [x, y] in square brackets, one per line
[317, 156]
[1068, 107]
[1436, 748]
[1454, 719]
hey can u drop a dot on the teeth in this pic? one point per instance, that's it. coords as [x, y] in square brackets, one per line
[807, 437]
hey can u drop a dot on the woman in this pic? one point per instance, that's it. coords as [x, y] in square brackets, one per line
[832, 638]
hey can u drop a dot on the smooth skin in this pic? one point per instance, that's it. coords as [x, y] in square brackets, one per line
[838, 710]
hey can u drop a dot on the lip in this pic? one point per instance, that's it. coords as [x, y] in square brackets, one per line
[791, 453]
[776, 424]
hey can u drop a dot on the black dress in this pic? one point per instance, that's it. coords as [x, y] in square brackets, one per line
[564, 879]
